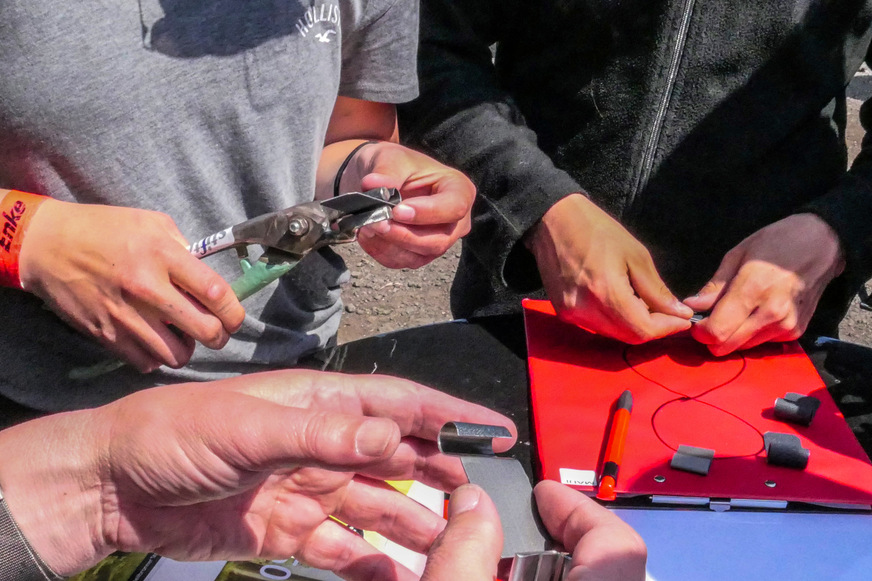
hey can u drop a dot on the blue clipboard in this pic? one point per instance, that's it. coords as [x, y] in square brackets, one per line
[704, 545]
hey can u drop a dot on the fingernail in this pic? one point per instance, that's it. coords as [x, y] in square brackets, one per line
[374, 436]
[382, 227]
[365, 233]
[215, 292]
[464, 499]
[403, 213]
[683, 309]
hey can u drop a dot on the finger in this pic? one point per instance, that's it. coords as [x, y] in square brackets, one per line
[374, 506]
[191, 318]
[424, 410]
[152, 335]
[771, 321]
[729, 314]
[789, 329]
[113, 337]
[603, 547]
[448, 204]
[421, 460]
[716, 329]
[470, 545]
[210, 290]
[166, 303]
[262, 436]
[129, 349]
[633, 323]
[440, 196]
[765, 335]
[380, 180]
[418, 411]
[654, 292]
[427, 241]
[568, 514]
[179, 343]
[622, 316]
[334, 547]
[706, 298]
[390, 255]
[430, 241]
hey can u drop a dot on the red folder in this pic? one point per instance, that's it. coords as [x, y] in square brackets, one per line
[682, 395]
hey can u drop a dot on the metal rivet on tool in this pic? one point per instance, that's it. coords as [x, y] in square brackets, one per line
[659, 478]
[770, 483]
[298, 227]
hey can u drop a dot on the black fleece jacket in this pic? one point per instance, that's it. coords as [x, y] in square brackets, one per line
[694, 123]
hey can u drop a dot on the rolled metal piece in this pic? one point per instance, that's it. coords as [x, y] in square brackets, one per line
[796, 408]
[462, 439]
[693, 459]
[785, 450]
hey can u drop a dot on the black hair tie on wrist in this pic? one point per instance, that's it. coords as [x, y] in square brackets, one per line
[345, 164]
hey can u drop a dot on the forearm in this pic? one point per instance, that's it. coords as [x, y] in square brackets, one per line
[464, 119]
[49, 475]
[845, 207]
[352, 123]
[517, 182]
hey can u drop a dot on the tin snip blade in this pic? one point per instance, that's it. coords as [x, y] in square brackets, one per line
[528, 553]
[288, 235]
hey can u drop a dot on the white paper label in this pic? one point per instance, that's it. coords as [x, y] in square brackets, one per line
[574, 477]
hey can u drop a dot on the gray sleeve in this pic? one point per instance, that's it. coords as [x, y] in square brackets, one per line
[379, 56]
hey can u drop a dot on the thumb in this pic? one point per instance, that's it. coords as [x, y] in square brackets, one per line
[709, 294]
[654, 292]
[470, 546]
[380, 180]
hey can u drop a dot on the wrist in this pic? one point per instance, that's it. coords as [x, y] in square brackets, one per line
[49, 475]
[45, 235]
[825, 239]
[567, 207]
[352, 169]
[17, 210]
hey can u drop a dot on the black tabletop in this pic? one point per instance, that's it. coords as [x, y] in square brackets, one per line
[485, 361]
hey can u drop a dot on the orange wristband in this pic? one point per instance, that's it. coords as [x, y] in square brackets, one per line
[16, 211]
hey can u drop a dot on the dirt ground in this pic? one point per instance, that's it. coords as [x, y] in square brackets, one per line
[379, 300]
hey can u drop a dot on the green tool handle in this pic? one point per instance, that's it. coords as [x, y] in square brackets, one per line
[254, 278]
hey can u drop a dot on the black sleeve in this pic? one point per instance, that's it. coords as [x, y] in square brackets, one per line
[847, 208]
[464, 119]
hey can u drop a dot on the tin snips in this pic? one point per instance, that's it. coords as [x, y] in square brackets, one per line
[288, 235]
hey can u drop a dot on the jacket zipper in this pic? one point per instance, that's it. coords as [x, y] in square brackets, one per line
[657, 129]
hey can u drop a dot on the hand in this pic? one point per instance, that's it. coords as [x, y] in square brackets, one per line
[248, 467]
[601, 278]
[767, 287]
[122, 276]
[434, 214]
[603, 547]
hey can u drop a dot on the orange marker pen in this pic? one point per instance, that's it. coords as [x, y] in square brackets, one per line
[615, 447]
